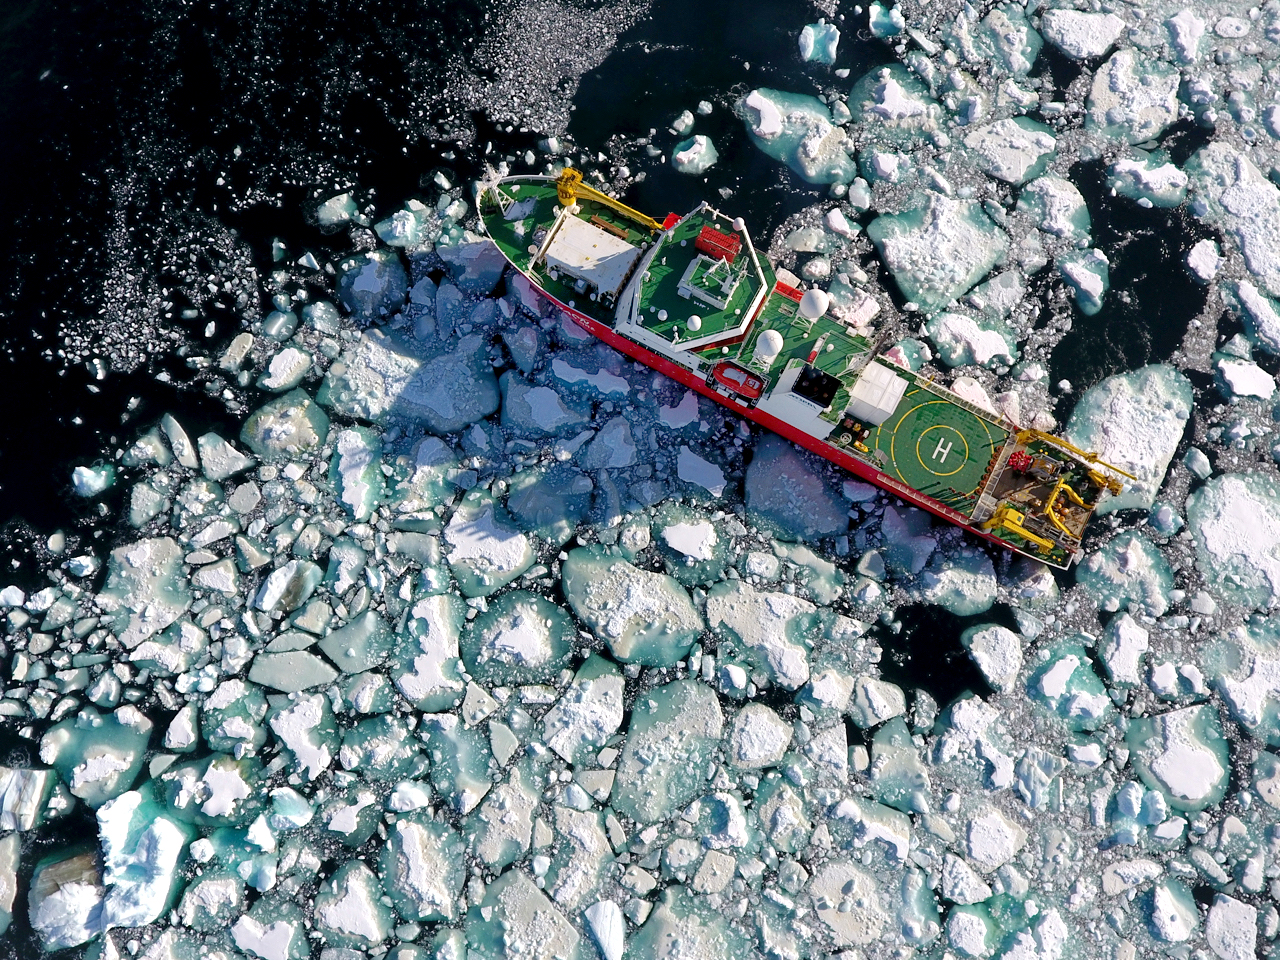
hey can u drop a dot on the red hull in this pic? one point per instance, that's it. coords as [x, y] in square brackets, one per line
[823, 449]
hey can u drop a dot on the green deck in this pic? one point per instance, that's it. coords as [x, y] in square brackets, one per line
[842, 351]
[938, 447]
[660, 292]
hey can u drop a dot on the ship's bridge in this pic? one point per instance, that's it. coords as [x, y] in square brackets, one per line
[701, 284]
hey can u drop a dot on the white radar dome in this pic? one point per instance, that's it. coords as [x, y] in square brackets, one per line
[695, 323]
[739, 224]
[814, 304]
[768, 346]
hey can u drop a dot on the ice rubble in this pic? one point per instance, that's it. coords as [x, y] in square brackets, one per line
[491, 690]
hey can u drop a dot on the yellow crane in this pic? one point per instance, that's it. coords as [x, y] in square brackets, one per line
[569, 187]
[1010, 519]
[1102, 481]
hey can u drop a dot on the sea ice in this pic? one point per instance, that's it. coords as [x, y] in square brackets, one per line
[98, 756]
[1014, 151]
[423, 867]
[537, 410]
[674, 730]
[1233, 195]
[1133, 98]
[486, 550]
[694, 156]
[1057, 208]
[798, 131]
[1081, 35]
[937, 251]
[1087, 274]
[286, 370]
[219, 460]
[521, 638]
[1128, 571]
[141, 849]
[1244, 378]
[772, 628]
[998, 653]
[287, 428]
[145, 589]
[962, 340]
[65, 900]
[818, 42]
[1135, 421]
[476, 267]
[90, 481]
[784, 489]
[1235, 520]
[373, 284]
[1183, 754]
[381, 377]
[1150, 181]
[644, 617]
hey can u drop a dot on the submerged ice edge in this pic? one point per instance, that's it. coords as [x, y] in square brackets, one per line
[481, 640]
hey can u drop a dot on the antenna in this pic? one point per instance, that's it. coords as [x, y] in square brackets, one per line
[488, 185]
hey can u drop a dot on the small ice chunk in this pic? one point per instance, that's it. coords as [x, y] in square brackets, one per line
[88, 482]
[694, 156]
[758, 737]
[818, 43]
[998, 653]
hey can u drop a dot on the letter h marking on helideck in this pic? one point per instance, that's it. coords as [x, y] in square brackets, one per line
[941, 450]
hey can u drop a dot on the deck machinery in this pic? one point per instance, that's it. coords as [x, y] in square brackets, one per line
[692, 297]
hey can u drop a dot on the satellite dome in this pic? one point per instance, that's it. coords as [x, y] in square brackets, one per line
[739, 224]
[768, 346]
[814, 304]
[695, 323]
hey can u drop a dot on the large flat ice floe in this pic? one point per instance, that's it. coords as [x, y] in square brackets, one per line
[381, 377]
[1134, 421]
